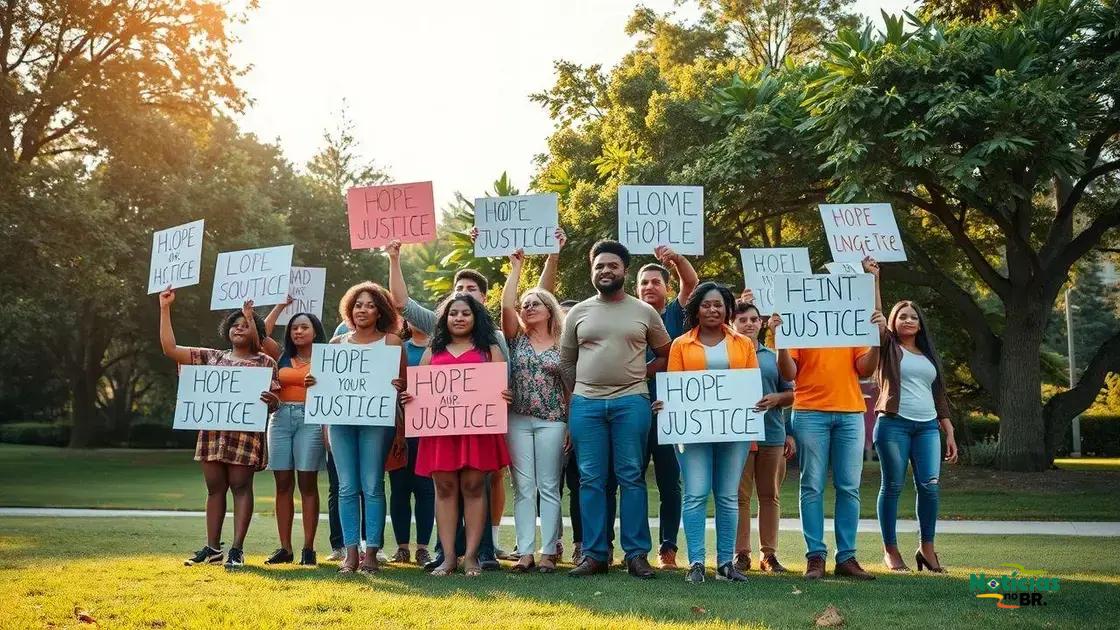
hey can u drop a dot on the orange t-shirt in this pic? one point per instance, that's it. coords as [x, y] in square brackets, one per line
[291, 382]
[827, 380]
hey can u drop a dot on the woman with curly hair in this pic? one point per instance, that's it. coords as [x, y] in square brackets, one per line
[229, 458]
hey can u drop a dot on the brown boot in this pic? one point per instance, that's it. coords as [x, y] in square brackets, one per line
[850, 568]
[589, 566]
[639, 567]
[770, 564]
[815, 569]
[668, 559]
[743, 562]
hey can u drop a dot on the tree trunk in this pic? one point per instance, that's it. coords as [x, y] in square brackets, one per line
[1022, 435]
[87, 421]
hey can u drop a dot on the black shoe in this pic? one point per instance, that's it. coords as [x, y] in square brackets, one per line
[589, 566]
[235, 559]
[695, 573]
[488, 562]
[307, 558]
[280, 556]
[434, 564]
[206, 555]
[730, 573]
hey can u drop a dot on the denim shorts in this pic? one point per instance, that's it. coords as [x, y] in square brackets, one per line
[294, 444]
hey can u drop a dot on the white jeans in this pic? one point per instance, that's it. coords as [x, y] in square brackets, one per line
[536, 450]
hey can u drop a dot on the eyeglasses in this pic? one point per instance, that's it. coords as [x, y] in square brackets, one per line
[531, 305]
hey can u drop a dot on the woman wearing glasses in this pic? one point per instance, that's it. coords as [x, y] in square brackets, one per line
[537, 416]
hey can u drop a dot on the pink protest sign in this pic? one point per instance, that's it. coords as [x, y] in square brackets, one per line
[379, 214]
[456, 400]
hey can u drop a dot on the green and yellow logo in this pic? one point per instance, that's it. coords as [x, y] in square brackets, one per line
[1014, 589]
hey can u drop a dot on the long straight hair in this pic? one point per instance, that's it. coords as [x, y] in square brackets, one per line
[290, 346]
[923, 340]
[481, 336]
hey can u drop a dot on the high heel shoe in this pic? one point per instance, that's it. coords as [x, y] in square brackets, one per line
[902, 568]
[925, 564]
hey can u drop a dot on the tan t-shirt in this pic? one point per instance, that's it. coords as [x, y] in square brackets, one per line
[603, 347]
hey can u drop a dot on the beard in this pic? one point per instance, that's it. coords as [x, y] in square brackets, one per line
[610, 289]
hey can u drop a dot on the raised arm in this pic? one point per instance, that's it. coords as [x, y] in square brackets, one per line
[397, 287]
[686, 275]
[274, 314]
[548, 274]
[871, 266]
[510, 323]
[251, 323]
[166, 333]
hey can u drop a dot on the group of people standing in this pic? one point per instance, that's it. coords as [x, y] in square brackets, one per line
[582, 400]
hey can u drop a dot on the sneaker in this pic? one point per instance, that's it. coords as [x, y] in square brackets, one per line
[403, 556]
[695, 573]
[235, 559]
[422, 556]
[337, 555]
[307, 558]
[502, 554]
[206, 555]
[668, 559]
[730, 573]
[280, 556]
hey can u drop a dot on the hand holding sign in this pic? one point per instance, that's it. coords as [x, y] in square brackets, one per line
[167, 297]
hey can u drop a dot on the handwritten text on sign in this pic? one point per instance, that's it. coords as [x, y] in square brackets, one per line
[508, 223]
[353, 384]
[176, 256]
[456, 400]
[825, 311]
[856, 230]
[649, 216]
[850, 269]
[761, 264]
[222, 398]
[306, 285]
[709, 406]
[260, 275]
[379, 214]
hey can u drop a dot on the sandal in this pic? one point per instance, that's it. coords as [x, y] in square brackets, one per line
[346, 569]
[472, 571]
[548, 564]
[520, 567]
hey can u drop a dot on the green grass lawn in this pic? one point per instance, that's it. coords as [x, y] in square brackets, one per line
[170, 480]
[127, 573]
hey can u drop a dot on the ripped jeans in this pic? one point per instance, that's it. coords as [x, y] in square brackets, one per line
[898, 441]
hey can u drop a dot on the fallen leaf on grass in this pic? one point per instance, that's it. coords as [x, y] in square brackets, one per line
[696, 610]
[598, 593]
[84, 616]
[830, 618]
[796, 591]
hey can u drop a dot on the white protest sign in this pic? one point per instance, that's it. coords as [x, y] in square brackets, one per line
[710, 406]
[825, 311]
[649, 216]
[506, 224]
[306, 285]
[844, 268]
[260, 275]
[856, 230]
[353, 384]
[761, 264]
[176, 257]
[222, 398]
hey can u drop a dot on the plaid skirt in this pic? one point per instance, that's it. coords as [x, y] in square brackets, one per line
[231, 447]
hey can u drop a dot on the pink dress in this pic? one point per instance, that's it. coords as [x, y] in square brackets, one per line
[449, 453]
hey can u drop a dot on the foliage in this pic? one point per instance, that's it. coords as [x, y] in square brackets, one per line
[769, 33]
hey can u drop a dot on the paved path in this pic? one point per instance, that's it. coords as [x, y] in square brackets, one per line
[1003, 528]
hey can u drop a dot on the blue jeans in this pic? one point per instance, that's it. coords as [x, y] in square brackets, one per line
[898, 441]
[603, 429]
[668, 475]
[359, 456]
[829, 439]
[714, 466]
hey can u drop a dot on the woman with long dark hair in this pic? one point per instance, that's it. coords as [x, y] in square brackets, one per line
[711, 467]
[229, 458]
[458, 463]
[297, 450]
[911, 406]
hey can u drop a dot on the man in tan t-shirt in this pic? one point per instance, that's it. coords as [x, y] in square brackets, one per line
[603, 359]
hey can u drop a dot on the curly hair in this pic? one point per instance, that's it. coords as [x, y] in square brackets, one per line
[387, 318]
[230, 319]
[609, 246]
[481, 336]
[692, 309]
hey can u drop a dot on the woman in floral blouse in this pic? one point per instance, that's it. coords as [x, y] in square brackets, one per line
[229, 458]
[538, 416]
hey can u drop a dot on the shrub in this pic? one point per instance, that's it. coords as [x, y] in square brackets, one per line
[981, 453]
[159, 435]
[1100, 434]
[36, 433]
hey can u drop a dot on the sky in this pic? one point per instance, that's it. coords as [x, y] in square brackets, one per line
[437, 89]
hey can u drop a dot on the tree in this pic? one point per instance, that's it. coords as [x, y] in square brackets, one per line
[770, 32]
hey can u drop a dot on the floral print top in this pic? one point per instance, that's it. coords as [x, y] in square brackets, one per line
[538, 389]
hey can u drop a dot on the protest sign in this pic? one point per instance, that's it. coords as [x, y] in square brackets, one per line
[463, 399]
[649, 216]
[379, 214]
[353, 384]
[844, 268]
[710, 406]
[222, 398]
[506, 224]
[176, 257]
[856, 230]
[306, 285]
[260, 275]
[825, 311]
[761, 264]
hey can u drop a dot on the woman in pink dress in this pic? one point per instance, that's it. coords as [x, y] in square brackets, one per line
[458, 463]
